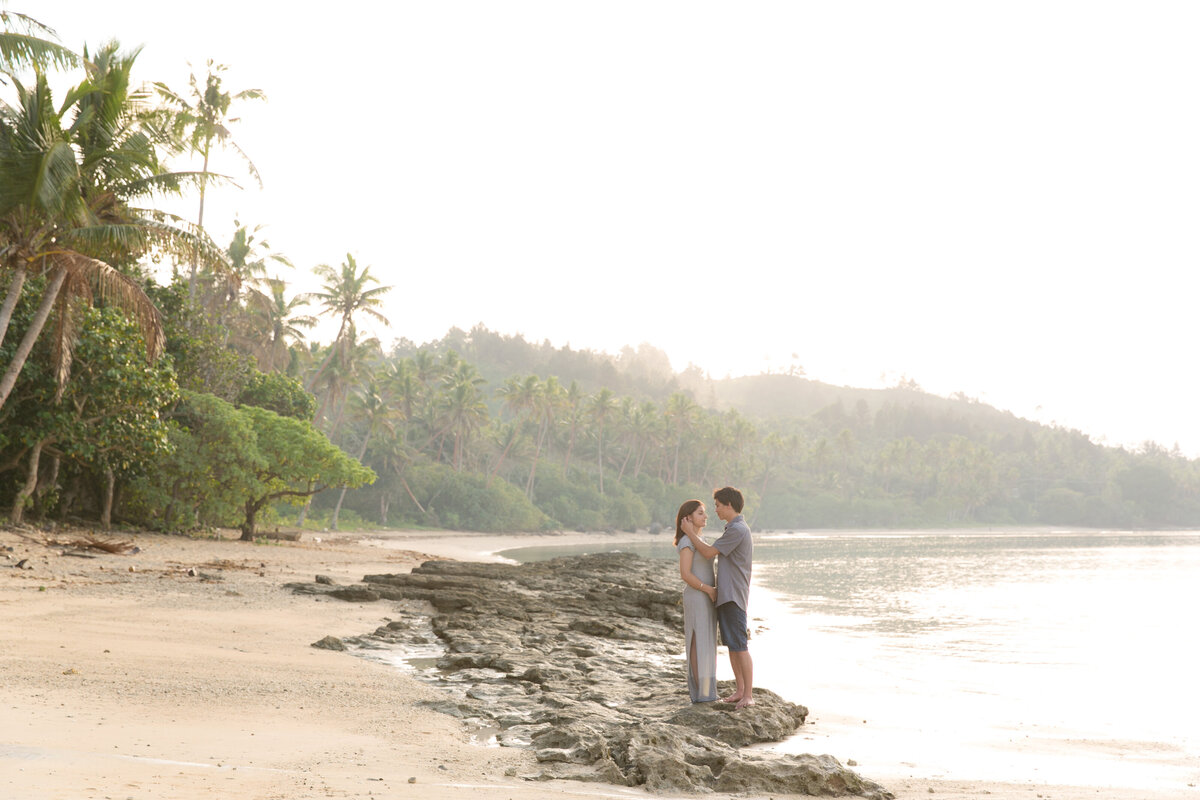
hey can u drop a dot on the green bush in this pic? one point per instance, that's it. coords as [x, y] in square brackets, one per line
[279, 393]
[200, 484]
[230, 464]
[466, 501]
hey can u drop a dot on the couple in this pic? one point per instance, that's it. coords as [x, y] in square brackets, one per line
[708, 602]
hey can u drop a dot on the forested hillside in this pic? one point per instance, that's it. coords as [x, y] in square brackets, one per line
[154, 377]
[808, 453]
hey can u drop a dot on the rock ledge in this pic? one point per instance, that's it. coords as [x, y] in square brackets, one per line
[577, 658]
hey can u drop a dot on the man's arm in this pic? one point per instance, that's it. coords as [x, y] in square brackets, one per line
[702, 547]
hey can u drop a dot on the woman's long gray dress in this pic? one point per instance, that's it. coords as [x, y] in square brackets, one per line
[700, 630]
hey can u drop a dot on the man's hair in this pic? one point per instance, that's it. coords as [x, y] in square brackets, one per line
[730, 496]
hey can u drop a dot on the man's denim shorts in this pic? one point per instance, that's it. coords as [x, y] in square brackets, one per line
[732, 620]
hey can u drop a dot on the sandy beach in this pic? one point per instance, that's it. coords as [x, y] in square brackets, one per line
[185, 670]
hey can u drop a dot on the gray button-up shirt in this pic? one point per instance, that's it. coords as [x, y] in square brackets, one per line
[733, 567]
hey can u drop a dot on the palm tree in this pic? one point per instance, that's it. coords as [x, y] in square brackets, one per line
[426, 368]
[419, 391]
[896, 460]
[505, 438]
[745, 435]
[602, 407]
[68, 178]
[681, 414]
[372, 408]
[275, 324]
[626, 424]
[822, 461]
[400, 378]
[345, 294]
[244, 273]
[200, 120]
[572, 401]
[647, 426]
[545, 403]
[774, 447]
[353, 360]
[342, 374]
[715, 443]
[389, 458]
[519, 397]
[463, 409]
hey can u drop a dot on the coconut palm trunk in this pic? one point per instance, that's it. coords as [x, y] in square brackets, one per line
[35, 329]
[337, 509]
[199, 222]
[11, 297]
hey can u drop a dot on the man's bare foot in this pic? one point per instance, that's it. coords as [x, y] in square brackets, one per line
[733, 698]
[749, 701]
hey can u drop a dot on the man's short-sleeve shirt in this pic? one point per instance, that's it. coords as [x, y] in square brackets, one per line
[733, 567]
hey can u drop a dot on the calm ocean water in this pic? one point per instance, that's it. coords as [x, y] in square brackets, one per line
[1059, 657]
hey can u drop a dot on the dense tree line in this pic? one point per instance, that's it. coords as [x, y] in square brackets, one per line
[808, 454]
[115, 392]
[202, 401]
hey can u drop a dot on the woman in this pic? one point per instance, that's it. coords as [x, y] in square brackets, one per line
[699, 613]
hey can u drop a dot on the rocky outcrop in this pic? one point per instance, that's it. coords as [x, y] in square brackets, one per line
[330, 643]
[578, 659]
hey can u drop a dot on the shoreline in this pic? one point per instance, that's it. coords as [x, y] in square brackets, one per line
[186, 671]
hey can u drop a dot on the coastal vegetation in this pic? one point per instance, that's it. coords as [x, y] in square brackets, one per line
[153, 377]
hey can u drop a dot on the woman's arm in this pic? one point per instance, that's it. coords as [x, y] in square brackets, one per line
[685, 572]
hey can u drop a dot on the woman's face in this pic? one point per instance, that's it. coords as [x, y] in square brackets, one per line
[699, 518]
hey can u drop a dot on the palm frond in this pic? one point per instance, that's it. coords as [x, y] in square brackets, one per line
[253, 170]
[149, 230]
[54, 184]
[75, 292]
[250, 94]
[170, 95]
[173, 181]
[376, 315]
[20, 49]
[84, 279]
[116, 289]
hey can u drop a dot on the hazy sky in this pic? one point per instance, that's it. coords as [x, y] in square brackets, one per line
[995, 198]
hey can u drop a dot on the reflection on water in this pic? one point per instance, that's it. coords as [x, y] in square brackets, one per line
[979, 655]
[876, 577]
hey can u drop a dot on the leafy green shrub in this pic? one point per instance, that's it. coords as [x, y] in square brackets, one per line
[279, 393]
[467, 501]
[203, 361]
[230, 464]
[201, 483]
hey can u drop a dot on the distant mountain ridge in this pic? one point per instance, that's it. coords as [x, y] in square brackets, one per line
[645, 372]
[779, 395]
[810, 454]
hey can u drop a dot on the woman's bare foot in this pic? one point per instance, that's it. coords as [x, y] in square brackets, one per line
[749, 701]
[733, 698]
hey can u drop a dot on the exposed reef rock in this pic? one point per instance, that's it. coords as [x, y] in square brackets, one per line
[577, 659]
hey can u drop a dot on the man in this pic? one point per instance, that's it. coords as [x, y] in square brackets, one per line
[736, 550]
